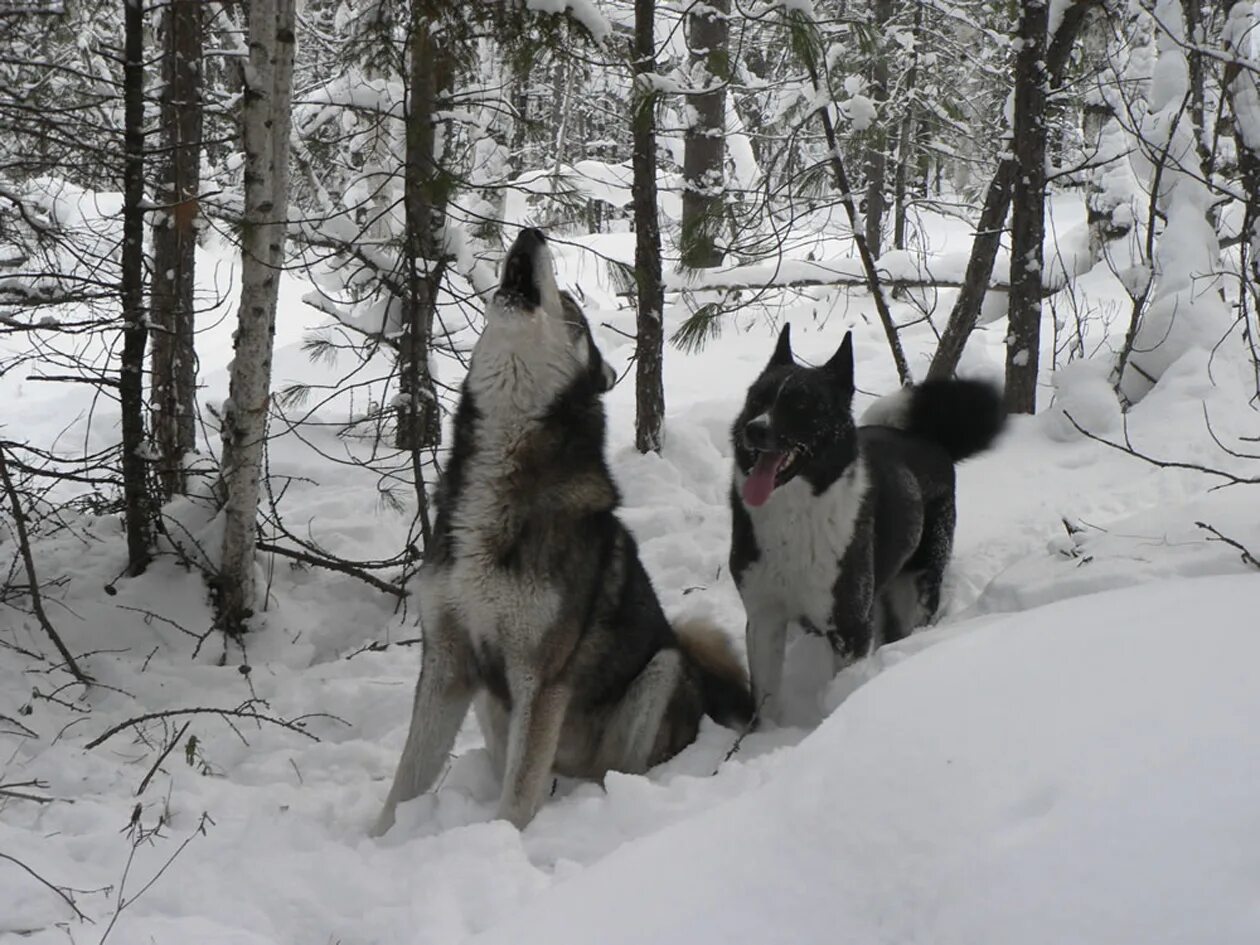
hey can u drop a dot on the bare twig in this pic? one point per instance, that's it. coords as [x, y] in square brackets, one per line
[378, 646]
[1247, 556]
[138, 837]
[332, 564]
[1127, 447]
[9, 790]
[226, 714]
[61, 893]
[25, 732]
[37, 600]
[739, 739]
[162, 757]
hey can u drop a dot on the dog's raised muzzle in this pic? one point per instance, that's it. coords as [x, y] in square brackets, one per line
[519, 282]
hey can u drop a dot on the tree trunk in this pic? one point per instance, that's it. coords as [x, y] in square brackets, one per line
[1243, 93]
[266, 118]
[139, 511]
[173, 394]
[1193, 13]
[649, 347]
[1028, 199]
[1096, 113]
[984, 247]
[704, 151]
[426, 186]
[984, 250]
[907, 138]
[877, 135]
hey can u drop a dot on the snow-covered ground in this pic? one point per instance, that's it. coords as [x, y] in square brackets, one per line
[1067, 756]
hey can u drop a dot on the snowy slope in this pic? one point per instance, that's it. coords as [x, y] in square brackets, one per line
[1086, 772]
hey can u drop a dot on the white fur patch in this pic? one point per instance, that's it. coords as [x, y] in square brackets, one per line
[801, 538]
[891, 410]
[526, 357]
[522, 362]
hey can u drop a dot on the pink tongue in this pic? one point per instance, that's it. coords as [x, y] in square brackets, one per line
[760, 482]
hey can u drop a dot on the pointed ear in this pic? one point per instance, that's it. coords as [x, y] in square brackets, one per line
[840, 367]
[783, 349]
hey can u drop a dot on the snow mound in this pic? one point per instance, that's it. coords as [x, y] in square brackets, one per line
[1085, 772]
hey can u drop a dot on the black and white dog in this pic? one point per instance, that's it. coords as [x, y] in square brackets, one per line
[843, 529]
[533, 600]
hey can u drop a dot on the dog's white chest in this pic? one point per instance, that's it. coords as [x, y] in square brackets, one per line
[801, 539]
[505, 607]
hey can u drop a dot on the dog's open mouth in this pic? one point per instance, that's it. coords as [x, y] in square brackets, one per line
[772, 469]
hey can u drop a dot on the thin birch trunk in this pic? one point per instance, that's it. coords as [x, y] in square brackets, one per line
[266, 119]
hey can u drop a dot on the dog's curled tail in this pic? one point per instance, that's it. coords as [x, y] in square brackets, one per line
[963, 416]
[723, 682]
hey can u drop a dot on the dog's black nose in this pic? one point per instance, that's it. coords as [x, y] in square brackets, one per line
[757, 433]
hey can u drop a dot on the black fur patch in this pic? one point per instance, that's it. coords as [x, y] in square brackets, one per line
[519, 281]
[963, 416]
[809, 409]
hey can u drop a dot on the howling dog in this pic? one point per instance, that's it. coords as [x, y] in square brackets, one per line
[845, 530]
[533, 601]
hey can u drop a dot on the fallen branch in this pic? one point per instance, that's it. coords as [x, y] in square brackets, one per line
[332, 564]
[225, 714]
[839, 281]
[1127, 447]
[24, 548]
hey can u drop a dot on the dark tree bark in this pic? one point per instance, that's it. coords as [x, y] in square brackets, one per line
[649, 419]
[139, 506]
[174, 375]
[906, 158]
[704, 142]
[1243, 92]
[425, 195]
[984, 247]
[1192, 10]
[876, 161]
[1028, 209]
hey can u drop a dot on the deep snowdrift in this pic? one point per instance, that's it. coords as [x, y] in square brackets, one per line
[1085, 772]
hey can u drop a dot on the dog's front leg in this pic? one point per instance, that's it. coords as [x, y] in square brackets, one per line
[854, 633]
[538, 712]
[766, 639]
[442, 696]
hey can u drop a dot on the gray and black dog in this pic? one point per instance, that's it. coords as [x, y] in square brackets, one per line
[844, 529]
[533, 600]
